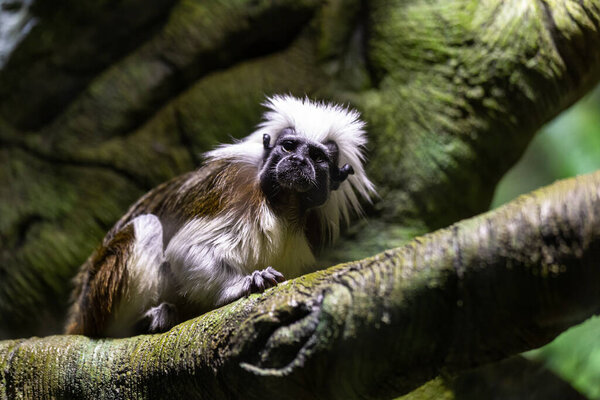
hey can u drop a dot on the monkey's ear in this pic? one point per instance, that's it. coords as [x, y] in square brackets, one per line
[267, 146]
[334, 152]
[339, 175]
[267, 141]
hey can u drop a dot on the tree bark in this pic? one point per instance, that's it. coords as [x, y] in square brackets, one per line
[478, 291]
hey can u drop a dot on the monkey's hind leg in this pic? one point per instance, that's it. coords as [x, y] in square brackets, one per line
[142, 281]
[145, 309]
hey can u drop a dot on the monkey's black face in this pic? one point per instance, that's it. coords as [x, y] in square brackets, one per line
[301, 167]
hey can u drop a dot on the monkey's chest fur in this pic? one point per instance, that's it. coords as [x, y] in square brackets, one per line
[230, 246]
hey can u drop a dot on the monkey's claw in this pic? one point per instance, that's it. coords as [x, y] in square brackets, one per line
[259, 281]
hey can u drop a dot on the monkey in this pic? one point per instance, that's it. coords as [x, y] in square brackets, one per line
[252, 215]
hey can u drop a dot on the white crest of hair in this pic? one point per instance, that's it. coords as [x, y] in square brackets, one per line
[320, 122]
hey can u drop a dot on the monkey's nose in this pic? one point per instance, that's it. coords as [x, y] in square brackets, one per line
[298, 160]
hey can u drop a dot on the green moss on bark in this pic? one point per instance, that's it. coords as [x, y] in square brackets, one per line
[378, 327]
[461, 88]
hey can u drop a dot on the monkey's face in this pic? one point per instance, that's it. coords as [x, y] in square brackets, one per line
[299, 166]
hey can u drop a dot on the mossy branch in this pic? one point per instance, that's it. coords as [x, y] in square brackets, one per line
[478, 291]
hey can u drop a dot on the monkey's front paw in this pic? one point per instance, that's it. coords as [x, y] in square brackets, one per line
[259, 281]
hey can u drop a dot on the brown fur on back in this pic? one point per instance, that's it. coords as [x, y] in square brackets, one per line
[216, 187]
[195, 194]
[101, 284]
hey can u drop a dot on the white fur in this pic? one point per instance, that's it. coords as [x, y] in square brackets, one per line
[210, 257]
[147, 256]
[320, 122]
[145, 283]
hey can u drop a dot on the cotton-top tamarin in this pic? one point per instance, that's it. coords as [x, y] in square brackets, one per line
[247, 218]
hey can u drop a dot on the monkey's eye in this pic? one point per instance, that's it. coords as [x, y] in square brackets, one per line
[288, 145]
[317, 155]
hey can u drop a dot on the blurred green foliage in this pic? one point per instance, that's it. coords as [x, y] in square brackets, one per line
[575, 357]
[567, 146]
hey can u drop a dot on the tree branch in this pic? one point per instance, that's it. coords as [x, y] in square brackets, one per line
[480, 290]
